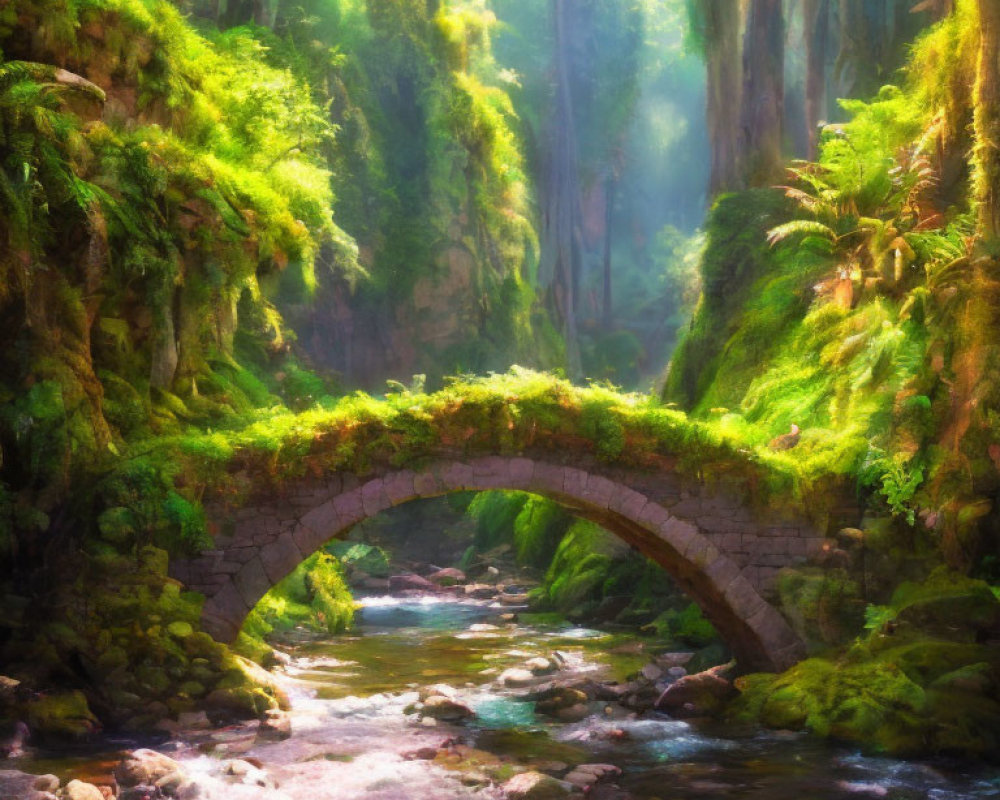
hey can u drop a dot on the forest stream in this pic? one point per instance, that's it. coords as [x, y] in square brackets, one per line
[356, 736]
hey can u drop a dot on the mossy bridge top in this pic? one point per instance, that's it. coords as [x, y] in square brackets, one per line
[719, 516]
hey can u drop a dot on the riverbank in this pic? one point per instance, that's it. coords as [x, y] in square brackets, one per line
[363, 725]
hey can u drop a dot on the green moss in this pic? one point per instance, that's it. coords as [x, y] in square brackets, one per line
[313, 596]
[60, 716]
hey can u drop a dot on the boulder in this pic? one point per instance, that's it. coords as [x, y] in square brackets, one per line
[516, 678]
[78, 790]
[17, 784]
[701, 694]
[556, 699]
[445, 709]
[574, 713]
[411, 583]
[586, 775]
[535, 786]
[436, 690]
[276, 726]
[541, 666]
[46, 783]
[145, 767]
[64, 715]
[449, 576]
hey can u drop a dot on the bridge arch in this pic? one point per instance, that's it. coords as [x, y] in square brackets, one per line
[710, 544]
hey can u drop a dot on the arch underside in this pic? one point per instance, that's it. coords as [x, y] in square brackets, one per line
[265, 545]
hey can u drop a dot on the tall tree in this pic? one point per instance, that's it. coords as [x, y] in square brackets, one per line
[987, 120]
[763, 92]
[561, 215]
[716, 28]
[816, 33]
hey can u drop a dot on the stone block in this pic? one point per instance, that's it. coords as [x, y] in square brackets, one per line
[574, 482]
[627, 502]
[224, 613]
[280, 557]
[252, 582]
[722, 572]
[548, 478]
[598, 491]
[743, 598]
[349, 508]
[653, 515]
[521, 471]
[373, 497]
[677, 533]
[427, 484]
[308, 541]
[399, 487]
[457, 476]
[323, 519]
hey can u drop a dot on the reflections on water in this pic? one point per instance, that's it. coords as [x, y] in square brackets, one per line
[353, 740]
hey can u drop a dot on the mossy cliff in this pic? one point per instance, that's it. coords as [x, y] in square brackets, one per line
[167, 190]
[858, 304]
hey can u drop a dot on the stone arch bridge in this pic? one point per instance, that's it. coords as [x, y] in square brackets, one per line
[707, 537]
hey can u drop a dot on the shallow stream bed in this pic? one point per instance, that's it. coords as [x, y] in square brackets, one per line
[353, 740]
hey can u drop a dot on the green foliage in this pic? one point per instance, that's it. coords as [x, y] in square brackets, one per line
[314, 596]
[896, 480]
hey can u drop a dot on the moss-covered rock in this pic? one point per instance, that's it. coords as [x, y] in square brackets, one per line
[60, 716]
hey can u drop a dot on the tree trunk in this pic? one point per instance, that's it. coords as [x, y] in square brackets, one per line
[609, 214]
[724, 73]
[816, 32]
[763, 92]
[987, 121]
[561, 218]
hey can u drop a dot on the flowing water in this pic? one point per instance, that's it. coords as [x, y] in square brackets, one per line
[353, 740]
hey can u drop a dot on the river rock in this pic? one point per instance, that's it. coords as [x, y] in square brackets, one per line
[668, 660]
[698, 695]
[411, 583]
[541, 666]
[651, 672]
[556, 699]
[517, 678]
[535, 786]
[276, 726]
[445, 709]
[449, 576]
[587, 775]
[520, 599]
[240, 771]
[78, 790]
[46, 783]
[145, 767]
[480, 591]
[436, 690]
[140, 792]
[17, 784]
[574, 713]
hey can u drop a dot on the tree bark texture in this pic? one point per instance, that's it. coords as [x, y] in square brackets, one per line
[724, 87]
[763, 92]
[987, 120]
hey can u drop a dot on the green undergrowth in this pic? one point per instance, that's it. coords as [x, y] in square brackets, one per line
[844, 303]
[921, 681]
[129, 639]
[588, 573]
[314, 596]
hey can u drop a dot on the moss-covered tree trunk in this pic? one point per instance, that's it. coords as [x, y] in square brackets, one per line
[987, 120]
[763, 92]
[721, 20]
[816, 32]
